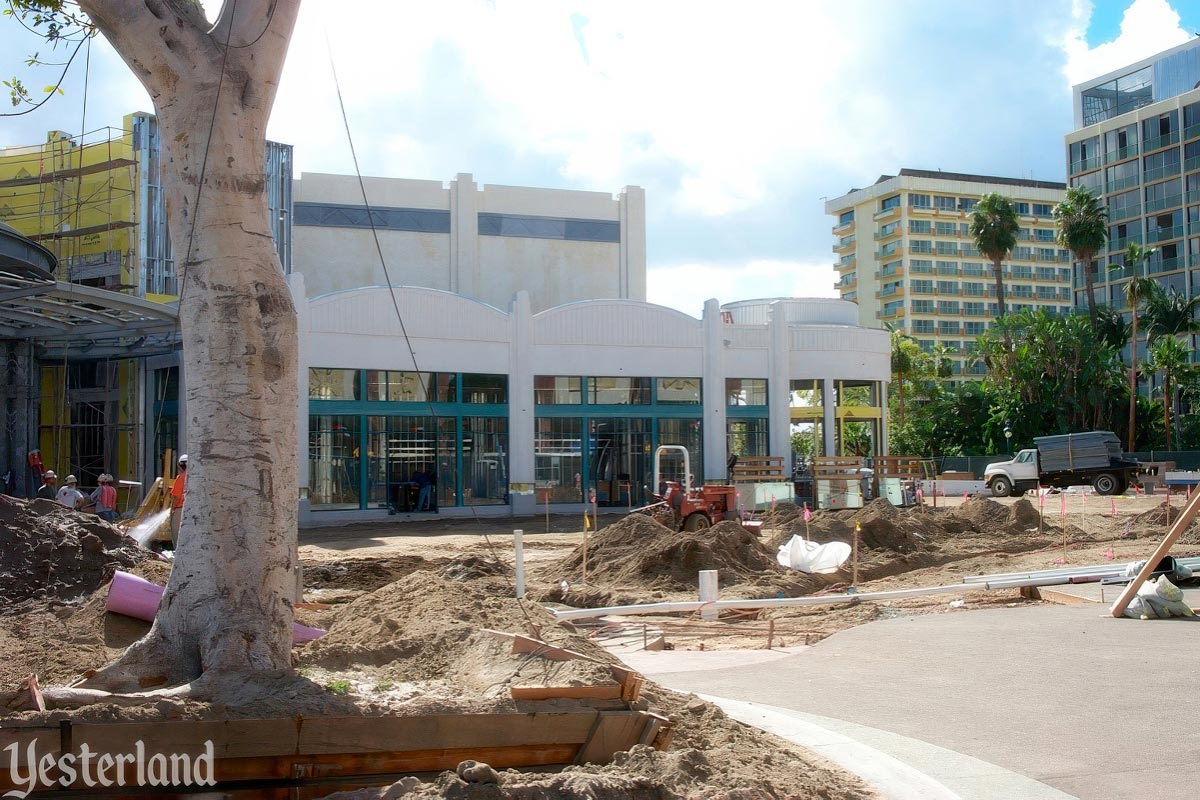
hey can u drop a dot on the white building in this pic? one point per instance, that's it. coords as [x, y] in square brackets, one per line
[485, 242]
[510, 408]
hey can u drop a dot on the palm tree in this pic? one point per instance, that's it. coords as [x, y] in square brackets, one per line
[1136, 290]
[1170, 356]
[994, 226]
[1083, 229]
[907, 360]
[1169, 313]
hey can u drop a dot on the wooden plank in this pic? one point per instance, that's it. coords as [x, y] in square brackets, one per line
[442, 731]
[231, 738]
[1176, 530]
[44, 740]
[602, 692]
[613, 732]
[433, 760]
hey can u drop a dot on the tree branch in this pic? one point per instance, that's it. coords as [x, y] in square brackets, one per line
[160, 40]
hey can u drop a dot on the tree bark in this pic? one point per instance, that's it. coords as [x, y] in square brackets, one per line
[1133, 385]
[1089, 287]
[228, 604]
[998, 274]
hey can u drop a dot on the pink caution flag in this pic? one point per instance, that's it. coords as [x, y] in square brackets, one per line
[964, 497]
[1062, 503]
[807, 513]
[1113, 502]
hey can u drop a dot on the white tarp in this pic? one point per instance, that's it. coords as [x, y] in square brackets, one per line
[811, 557]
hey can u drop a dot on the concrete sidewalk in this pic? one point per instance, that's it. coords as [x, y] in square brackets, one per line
[1098, 708]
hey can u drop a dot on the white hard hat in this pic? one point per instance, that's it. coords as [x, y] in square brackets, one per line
[72, 479]
[183, 459]
[49, 474]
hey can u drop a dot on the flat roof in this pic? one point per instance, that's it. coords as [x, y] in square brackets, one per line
[1135, 66]
[966, 177]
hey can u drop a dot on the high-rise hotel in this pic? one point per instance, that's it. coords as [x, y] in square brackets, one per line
[1136, 144]
[906, 256]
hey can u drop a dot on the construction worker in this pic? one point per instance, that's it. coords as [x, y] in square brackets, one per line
[49, 488]
[69, 495]
[105, 498]
[177, 489]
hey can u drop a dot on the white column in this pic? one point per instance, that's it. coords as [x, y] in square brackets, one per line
[827, 401]
[779, 385]
[632, 215]
[464, 235]
[713, 392]
[520, 403]
[883, 420]
[303, 331]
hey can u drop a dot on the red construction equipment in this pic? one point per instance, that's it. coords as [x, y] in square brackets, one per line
[691, 508]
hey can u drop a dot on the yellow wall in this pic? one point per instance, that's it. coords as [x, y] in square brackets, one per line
[106, 200]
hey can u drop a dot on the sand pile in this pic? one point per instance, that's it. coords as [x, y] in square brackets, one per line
[365, 574]
[59, 641]
[429, 627]
[48, 551]
[639, 551]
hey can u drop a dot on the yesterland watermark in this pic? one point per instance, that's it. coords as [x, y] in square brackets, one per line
[92, 770]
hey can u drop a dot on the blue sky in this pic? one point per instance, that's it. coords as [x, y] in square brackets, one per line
[737, 119]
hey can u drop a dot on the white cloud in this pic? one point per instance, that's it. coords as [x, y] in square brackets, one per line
[1147, 27]
[686, 286]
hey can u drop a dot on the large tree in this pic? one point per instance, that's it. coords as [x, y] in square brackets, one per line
[227, 611]
[1136, 290]
[994, 226]
[1083, 229]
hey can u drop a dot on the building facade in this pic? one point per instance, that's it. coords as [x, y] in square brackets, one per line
[482, 242]
[95, 201]
[513, 409]
[1137, 146]
[906, 257]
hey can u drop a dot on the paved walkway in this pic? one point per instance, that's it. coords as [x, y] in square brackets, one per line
[1097, 708]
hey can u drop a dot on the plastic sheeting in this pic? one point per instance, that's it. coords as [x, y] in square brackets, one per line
[811, 557]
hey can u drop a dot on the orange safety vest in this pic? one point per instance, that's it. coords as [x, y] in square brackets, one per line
[177, 490]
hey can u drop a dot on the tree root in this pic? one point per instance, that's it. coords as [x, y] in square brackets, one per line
[151, 662]
[31, 697]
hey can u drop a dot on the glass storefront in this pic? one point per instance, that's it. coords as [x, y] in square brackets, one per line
[333, 458]
[558, 459]
[407, 441]
[747, 437]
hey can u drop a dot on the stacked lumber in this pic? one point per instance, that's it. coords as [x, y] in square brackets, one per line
[1090, 450]
[758, 469]
[897, 467]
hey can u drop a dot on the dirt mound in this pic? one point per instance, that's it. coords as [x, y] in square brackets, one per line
[366, 574]
[1023, 513]
[59, 641]
[48, 551]
[428, 627]
[470, 568]
[1161, 515]
[639, 551]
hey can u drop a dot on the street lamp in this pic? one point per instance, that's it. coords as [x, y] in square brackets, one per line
[1008, 438]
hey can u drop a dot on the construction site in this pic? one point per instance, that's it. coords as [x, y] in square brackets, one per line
[425, 648]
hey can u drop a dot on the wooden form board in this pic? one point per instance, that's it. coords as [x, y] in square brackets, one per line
[277, 749]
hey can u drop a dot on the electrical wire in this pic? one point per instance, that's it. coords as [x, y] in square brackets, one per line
[262, 33]
[57, 84]
[396, 303]
[187, 259]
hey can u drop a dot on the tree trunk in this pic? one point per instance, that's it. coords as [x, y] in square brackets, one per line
[228, 604]
[1167, 407]
[1093, 315]
[997, 273]
[1133, 386]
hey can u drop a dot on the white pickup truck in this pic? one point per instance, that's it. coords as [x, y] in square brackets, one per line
[1088, 459]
